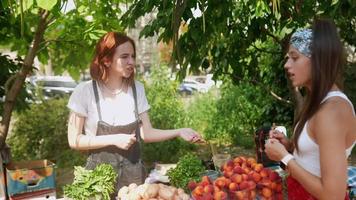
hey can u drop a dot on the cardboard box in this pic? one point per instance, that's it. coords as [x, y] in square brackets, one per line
[2, 181]
[29, 176]
[38, 195]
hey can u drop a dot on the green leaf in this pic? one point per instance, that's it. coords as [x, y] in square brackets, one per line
[27, 4]
[46, 4]
[334, 2]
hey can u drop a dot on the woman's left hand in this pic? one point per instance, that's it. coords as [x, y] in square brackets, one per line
[275, 150]
[189, 135]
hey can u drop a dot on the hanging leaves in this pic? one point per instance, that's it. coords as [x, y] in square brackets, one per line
[46, 4]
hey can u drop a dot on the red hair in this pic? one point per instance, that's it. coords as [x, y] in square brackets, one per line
[104, 53]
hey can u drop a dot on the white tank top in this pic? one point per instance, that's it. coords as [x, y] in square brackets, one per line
[308, 155]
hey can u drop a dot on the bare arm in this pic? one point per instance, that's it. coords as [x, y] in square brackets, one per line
[79, 141]
[150, 134]
[329, 127]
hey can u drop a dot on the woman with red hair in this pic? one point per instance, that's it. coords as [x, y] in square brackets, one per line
[109, 114]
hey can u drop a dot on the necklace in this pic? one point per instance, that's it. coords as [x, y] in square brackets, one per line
[112, 91]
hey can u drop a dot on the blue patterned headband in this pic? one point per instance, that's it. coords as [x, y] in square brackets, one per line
[301, 40]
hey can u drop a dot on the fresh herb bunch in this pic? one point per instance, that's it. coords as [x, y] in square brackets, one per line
[189, 167]
[98, 183]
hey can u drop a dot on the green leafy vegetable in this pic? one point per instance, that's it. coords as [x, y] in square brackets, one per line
[189, 167]
[98, 183]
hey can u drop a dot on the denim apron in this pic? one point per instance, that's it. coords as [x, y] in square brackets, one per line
[127, 163]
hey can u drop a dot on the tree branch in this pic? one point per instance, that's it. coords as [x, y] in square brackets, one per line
[21, 76]
[266, 51]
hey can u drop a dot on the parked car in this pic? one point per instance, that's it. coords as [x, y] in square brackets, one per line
[200, 87]
[52, 86]
[186, 90]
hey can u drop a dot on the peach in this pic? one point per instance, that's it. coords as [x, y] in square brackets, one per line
[243, 158]
[264, 173]
[247, 170]
[192, 185]
[233, 186]
[250, 161]
[205, 180]
[216, 189]
[199, 190]
[228, 174]
[256, 177]
[238, 170]
[209, 189]
[239, 195]
[237, 178]
[265, 182]
[245, 177]
[243, 185]
[258, 167]
[253, 194]
[220, 195]
[237, 160]
[220, 182]
[251, 185]
[266, 192]
[227, 181]
[207, 196]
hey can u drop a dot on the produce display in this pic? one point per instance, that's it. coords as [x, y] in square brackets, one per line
[189, 167]
[243, 179]
[151, 192]
[87, 184]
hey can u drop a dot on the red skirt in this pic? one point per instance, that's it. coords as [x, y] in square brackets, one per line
[297, 192]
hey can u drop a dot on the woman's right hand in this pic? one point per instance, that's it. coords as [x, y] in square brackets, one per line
[281, 137]
[123, 141]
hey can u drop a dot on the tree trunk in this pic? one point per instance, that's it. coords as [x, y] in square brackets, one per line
[20, 77]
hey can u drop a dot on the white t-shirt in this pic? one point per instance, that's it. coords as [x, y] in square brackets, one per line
[119, 110]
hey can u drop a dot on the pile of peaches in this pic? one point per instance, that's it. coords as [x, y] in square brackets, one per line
[243, 179]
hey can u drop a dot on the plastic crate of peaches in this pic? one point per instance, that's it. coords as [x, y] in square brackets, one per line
[242, 179]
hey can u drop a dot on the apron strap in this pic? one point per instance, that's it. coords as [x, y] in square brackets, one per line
[97, 100]
[138, 136]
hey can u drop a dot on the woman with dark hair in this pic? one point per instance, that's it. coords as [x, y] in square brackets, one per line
[109, 113]
[325, 129]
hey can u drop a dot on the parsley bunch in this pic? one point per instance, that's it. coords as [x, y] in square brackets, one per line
[189, 167]
[98, 183]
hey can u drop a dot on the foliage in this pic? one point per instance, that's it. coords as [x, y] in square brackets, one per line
[98, 183]
[242, 40]
[70, 36]
[241, 110]
[8, 69]
[201, 110]
[40, 132]
[189, 167]
[166, 112]
[350, 87]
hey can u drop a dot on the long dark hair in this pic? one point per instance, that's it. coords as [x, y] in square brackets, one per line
[327, 61]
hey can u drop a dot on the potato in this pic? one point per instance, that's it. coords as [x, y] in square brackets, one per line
[166, 193]
[151, 191]
[132, 187]
[124, 190]
[134, 196]
[184, 196]
[141, 189]
[180, 191]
